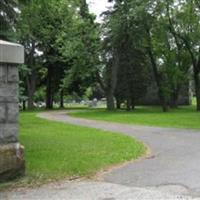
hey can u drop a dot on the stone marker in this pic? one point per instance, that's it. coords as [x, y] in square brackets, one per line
[11, 152]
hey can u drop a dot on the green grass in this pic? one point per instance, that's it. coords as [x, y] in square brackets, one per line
[56, 150]
[183, 117]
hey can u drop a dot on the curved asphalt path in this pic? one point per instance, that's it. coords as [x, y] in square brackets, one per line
[175, 159]
[171, 172]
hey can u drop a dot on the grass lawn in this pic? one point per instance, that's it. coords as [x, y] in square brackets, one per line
[56, 150]
[183, 117]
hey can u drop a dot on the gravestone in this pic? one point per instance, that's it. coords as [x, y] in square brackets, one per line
[11, 152]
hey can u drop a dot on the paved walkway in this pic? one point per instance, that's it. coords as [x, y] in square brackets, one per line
[173, 168]
[91, 190]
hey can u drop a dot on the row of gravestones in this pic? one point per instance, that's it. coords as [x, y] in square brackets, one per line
[12, 161]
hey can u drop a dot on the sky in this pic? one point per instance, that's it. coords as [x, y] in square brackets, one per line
[98, 6]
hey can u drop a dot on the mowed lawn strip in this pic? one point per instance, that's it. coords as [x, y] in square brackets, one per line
[56, 150]
[183, 117]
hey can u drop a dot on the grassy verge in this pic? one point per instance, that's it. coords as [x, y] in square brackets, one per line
[183, 117]
[57, 150]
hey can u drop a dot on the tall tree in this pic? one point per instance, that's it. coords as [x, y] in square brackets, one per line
[26, 32]
[186, 28]
[123, 42]
[81, 51]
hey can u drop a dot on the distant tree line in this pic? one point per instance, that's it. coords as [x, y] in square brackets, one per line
[67, 52]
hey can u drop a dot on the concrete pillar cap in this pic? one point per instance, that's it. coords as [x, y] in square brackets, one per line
[11, 53]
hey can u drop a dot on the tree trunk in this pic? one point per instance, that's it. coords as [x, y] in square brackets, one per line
[61, 99]
[128, 105]
[24, 105]
[31, 78]
[112, 69]
[163, 101]
[110, 101]
[30, 99]
[174, 99]
[161, 94]
[197, 87]
[132, 104]
[49, 91]
[196, 72]
[118, 103]
[31, 86]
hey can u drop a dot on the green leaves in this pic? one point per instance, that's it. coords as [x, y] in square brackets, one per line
[78, 43]
[8, 16]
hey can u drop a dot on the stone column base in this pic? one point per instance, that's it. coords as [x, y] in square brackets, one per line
[12, 162]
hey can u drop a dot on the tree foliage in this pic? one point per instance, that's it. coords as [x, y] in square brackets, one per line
[165, 31]
[8, 15]
[139, 42]
[64, 46]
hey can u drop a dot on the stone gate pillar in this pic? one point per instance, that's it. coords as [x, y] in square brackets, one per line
[11, 152]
